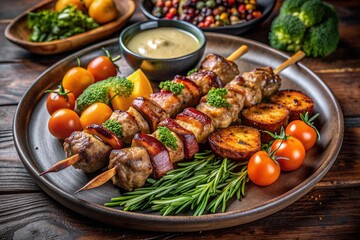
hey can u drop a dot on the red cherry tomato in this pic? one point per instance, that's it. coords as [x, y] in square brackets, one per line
[304, 130]
[103, 67]
[63, 122]
[58, 99]
[263, 170]
[290, 153]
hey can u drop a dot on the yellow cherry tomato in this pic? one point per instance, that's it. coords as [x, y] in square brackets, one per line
[142, 87]
[77, 79]
[102, 11]
[97, 113]
[60, 4]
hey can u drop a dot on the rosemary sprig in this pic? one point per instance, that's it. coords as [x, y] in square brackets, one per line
[201, 185]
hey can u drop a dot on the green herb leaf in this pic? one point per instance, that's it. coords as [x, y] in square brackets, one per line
[176, 88]
[167, 138]
[49, 25]
[216, 97]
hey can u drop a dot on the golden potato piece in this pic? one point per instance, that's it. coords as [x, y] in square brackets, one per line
[235, 142]
[297, 102]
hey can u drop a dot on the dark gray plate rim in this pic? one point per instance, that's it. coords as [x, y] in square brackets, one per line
[144, 221]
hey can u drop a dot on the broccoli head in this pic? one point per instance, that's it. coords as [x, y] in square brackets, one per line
[292, 6]
[311, 12]
[321, 40]
[287, 32]
[99, 92]
[309, 25]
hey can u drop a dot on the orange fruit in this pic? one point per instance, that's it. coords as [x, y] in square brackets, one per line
[60, 4]
[102, 11]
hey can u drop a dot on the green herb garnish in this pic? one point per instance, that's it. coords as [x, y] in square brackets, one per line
[176, 88]
[192, 71]
[216, 98]
[114, 126]
[204, 184]
[49, 25]
[167, 138]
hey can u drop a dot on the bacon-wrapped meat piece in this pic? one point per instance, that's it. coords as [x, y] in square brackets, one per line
[224, 69]
[93, 152]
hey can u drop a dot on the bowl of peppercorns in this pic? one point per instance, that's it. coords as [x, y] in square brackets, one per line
[223, 16]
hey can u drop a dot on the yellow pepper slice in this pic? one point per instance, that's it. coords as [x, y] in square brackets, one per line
[142, 87]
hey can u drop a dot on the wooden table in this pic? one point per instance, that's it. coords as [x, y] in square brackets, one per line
[330, 210]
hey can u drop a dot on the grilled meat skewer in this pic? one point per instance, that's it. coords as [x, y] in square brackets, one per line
[144, 114]
[271, 86]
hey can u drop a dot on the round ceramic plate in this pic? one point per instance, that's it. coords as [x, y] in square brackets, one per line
[39, 150]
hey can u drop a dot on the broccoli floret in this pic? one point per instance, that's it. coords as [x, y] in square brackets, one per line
[321, 40]
[292, 6]
[287, 32]
[309, 25]
[311, 12]
[99, 92]
[114, 126]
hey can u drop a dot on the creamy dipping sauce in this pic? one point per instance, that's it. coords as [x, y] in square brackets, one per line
[163, 42]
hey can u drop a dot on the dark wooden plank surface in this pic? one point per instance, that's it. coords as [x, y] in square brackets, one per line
[331, 210]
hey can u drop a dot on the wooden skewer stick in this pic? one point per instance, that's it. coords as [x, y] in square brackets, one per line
[107, 175]
[293, 59]
[99, 180]
[237, 53]
[62, 164]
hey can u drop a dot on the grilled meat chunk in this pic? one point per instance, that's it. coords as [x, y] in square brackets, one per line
[205, 80]
[129, 125]
[158, 153]
[93, 152]
[196, 122]
[297, 102]
[225, 70]
[190, 97]
[133, 167]
[265, 79]
[176, 154]
[150, 110]
[251, 92]
[188, 138]
[168, 101]
[141, 122]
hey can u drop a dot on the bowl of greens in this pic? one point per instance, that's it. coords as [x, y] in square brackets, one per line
[44, 30]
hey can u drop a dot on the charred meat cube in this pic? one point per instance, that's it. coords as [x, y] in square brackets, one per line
[93, 152]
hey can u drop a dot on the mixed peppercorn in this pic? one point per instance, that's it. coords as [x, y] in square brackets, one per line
[207, 13]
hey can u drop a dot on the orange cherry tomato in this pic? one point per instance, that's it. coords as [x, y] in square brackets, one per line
[263, 170]
[77, 79]
[102, 11]
[103, 67]
[96, 113]
[304, 130]
[63, 122]
[58, 99]
[290, 153]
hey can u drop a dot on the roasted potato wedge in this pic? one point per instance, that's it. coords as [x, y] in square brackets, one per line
[297, 102]
[266, 117]
[235, 142]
